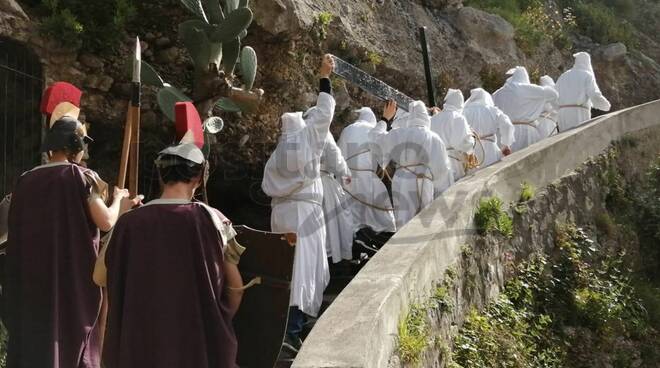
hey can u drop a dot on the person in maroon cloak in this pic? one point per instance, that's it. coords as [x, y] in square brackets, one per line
[51, 304]
[171, 271]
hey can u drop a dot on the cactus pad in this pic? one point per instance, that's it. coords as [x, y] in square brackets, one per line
[235, 23]
[167, 98]
[230, 51]
[248, 66]
[195, 7]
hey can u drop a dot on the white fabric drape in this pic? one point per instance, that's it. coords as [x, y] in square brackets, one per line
[452, 127]
[292, 178]
[578, 93]
[371, 206]
[523, 103]
[423, 170]
[336, 205]
[488, 122]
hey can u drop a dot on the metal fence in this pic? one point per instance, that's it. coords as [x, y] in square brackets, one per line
[21, 83]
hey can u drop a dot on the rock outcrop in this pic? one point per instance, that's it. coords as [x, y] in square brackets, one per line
[469, 48]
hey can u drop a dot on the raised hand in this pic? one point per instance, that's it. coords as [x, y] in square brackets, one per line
[389, 111]
[327, 66]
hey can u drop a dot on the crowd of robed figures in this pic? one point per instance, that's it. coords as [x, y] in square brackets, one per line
[163, 289]
[331, 193]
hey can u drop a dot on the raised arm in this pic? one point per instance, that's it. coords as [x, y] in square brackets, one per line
[379, 137]
[506, 130]
[319, 121]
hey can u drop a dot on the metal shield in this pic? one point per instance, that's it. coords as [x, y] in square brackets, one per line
[260, 323]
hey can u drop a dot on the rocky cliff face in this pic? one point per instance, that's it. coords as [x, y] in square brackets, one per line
[469, 48]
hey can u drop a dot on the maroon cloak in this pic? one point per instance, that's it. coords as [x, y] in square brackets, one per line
[52, 304]
[165, 290]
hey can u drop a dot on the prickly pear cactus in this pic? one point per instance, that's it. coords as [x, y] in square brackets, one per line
[213, 40]
[248, 66]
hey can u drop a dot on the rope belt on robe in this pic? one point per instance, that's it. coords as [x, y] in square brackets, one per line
[359, 169]
[528, 123]
[353, 169]
[578, 106]
[418, 178]
[478, 140]
[371, 205]
[452, 155]
[291, 195]
[547, 115]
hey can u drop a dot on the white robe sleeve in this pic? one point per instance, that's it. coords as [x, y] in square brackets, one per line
[550, 94]
[465, 141]
[443, 177]
[318, 125]
[597, 99]
[341, 142]
[379, 142]
[505, 127]
[334, 160]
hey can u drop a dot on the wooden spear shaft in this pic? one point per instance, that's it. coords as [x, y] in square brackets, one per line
[125, 149]
[134, 155]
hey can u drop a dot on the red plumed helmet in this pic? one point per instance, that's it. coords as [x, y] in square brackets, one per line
[188, 124]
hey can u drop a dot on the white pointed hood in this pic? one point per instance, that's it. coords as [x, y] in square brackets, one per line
[454, 100]
[292, 122]
[583, 62]
[418, 115]
[480, 96]
[546, 81]
[367, 115]
[518, 75]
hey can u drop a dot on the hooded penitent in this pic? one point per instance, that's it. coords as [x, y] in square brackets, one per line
[52, 305]
[578, 93]
[292, 178]
[523, 103]
[453, 129]
[165, 275]
[336, 205]
[370, 202]
[548, 121]
[489, 123]
[423, 170]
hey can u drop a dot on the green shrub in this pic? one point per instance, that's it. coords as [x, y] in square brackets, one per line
[491, 79]
[323, 20]
[532, 19]
[491, 218]
[545, 311]
[442, 300]
[602, 24]
[413, 335]
[527, 192]
[97, 25]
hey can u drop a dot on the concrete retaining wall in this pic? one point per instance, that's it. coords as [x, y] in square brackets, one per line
[360, 327]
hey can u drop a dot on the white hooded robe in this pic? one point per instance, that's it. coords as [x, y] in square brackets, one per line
[488, 122]
[523, 103]
[423, 170]
[370, 202]
[578, 93]
[336, 205]
[292, 178]
[549, 119]
[452, 127]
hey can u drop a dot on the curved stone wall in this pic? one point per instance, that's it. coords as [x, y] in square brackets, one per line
[359, 329]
